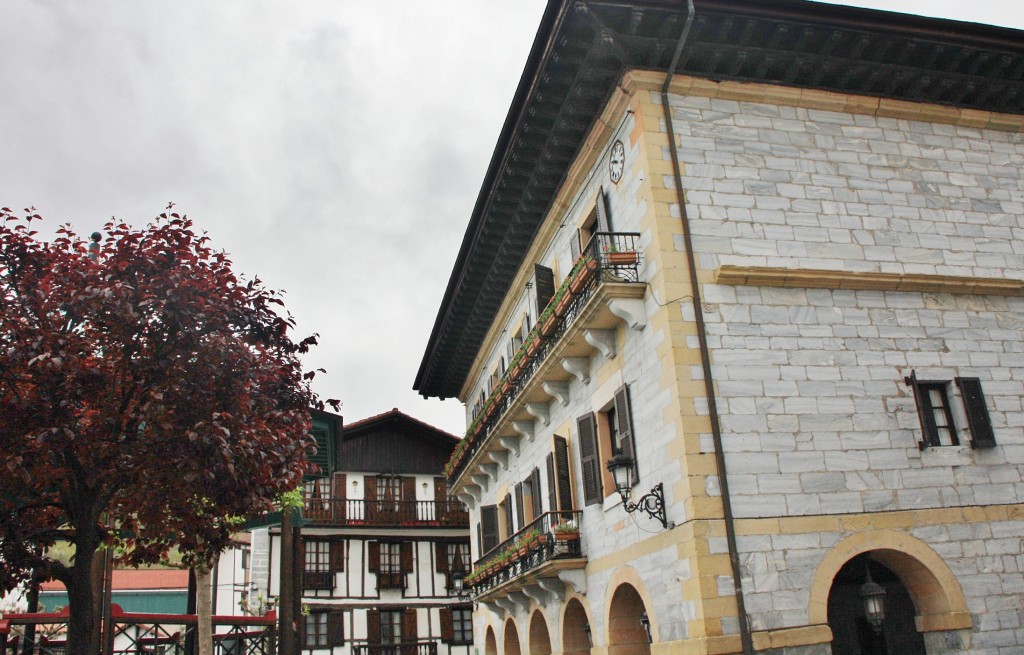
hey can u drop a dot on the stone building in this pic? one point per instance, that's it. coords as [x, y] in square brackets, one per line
[799, 320]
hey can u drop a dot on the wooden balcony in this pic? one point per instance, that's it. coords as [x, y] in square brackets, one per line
[404, 648]
[317, 580]
[386, 513]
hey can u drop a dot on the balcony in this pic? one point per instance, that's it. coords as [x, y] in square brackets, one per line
[395, 580]
[317, 580]
[540, 559]
[386, 513]
[602, 291]
[410, 648]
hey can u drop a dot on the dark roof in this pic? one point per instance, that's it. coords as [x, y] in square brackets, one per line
[396, 416]
[579, 56]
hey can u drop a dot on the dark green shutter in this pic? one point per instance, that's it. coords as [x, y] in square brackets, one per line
[978, 420]
[545, 279]
[624, 426]
[489, 527]
[562, 475]
[590, 465]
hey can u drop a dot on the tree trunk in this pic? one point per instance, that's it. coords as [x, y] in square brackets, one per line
[286, 641]
[204, 608]
[83, 631]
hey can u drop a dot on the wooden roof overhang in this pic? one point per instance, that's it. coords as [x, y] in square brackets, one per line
[579, 55]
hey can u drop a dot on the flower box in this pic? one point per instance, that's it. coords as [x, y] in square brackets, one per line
[622, 258]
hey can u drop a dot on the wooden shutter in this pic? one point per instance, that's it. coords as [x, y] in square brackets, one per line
[407, 509]
[624, 419]
[440, 500]
[545, 280]
[405, 553]
[409, 625]
[373, 556]
[480, 535]
[535, 488]
[574, 245]
[337, 556]
[604, 217]
[373, 626]
[370, 493]
[562, 475]
[335, 628]
[447, 625]
[409, 489]
[976, 410]
[489, 527]
[590, 464]
[520, 510]
[552, 485]
[929, 431]
[506, 506]
[441, 557]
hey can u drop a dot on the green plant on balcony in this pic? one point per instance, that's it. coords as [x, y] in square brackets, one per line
[566, 530]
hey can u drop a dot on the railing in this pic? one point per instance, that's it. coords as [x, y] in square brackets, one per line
[391, 581]
[539, 542]
[608, 257]
[136, 633]
[409, 648]
[420, 513]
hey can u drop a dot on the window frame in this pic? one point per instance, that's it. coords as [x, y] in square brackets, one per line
[315, 634]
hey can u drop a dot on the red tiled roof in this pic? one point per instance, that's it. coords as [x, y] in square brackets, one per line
[126, 579]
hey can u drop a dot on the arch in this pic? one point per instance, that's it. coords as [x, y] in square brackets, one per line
[628, 575]
[540, 640]
[626, 632]
[575, 624]
[937, 595]
[490, 643]
[511, 639]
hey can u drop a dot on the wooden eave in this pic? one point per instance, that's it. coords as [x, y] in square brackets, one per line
[579, 55]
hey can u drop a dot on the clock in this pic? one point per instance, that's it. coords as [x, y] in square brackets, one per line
[616, 161]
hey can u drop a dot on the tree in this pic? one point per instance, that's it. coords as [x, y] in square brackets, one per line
[145, 395]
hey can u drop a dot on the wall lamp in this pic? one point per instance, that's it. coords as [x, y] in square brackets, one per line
[873, 597]
[586, 631]
[458, 585]
[645, 621]
[652, 504]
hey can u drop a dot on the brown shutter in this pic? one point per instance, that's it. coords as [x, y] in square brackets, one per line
[441, 557]
[563, 476]
[337, 556]
[440, 499]
[574, 245]
[489, 528]
[409, 489]
[405, 551]
[535, 488]
[373, 626]
[335, 628]
[624, 419]
[520, 510]
[552, 486]
[447, 625]
[480, 535]
[545, 279]
[589, 459]
[924, 414]
[604, 214]
[506, 506]
[976, 410]
[370, 493]
[409, 625]
[373, 556]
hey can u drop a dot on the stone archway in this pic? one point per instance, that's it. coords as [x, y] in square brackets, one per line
[540, 640]
[575, 625]
[490, 643]
[626, 632]
[511, 639]
[851, 632]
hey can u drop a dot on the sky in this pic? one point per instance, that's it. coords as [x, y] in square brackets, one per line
[334, 148]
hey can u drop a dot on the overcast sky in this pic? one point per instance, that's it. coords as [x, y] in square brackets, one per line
[333, 148]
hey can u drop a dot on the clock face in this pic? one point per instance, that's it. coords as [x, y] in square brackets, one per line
[616, 161]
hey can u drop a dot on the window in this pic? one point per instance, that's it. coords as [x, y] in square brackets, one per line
[391, 627]
[390, 560]
[321, 560]
[603, 435]
[318, 494]
[457, 625]
[934, 410]
[318, 556]
[316, 630]
[246, 553]
[457, 556]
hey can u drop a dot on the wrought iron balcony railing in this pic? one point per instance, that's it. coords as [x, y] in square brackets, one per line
[416, 513]
[405, 648]
[609, 258]
[552, 536]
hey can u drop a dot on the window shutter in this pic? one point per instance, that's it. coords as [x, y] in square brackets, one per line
[624, 418]
[338, 502]
[447, 625]
[337, 556]
[604, 217]
[407, 510]
[506, 506]
[373, 626]
[371, 487]
[552, 484]
[409, 625]
[562, 475]
[480, 535]
[373, 556]
[589, 456]
[441, 557]
[535, 487]
[405, 552]
[489, 525]
[574, 245]
[520, 510]
[924, 412]
[978, 419]
[545, 279]
[335, 628]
